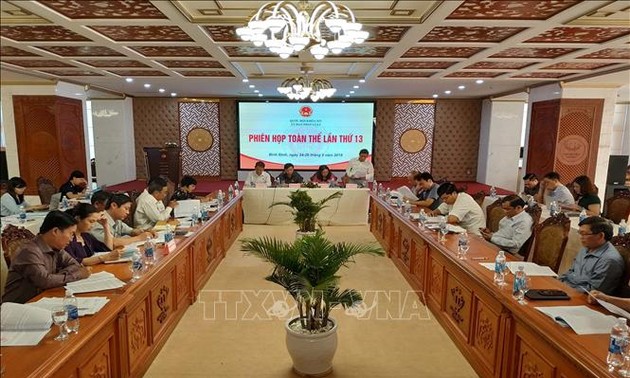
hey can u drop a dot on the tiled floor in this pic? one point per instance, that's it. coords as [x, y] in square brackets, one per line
[243, 341]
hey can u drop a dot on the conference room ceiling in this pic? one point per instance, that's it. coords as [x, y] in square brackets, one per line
[416, 48]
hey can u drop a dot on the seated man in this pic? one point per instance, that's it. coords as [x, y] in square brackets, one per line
[75, 186]
[428, 196]
[117, 209]
[552, 190]
[598, 266]
[413, 184]
[289, 175]
[99, 200]
[461, 209]
[514, 229]
[360, 170]
[258, 176]
[186, 188]
[42, 263]
[150, 209]
[531, 186]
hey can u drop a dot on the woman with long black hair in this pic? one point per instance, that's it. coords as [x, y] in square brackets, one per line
[13, 199]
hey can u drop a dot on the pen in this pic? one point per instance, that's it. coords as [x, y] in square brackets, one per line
[479, 258]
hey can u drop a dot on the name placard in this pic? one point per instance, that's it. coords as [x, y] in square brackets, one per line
[169, 247]
[261, 185]
[351, 186]
[294, 186]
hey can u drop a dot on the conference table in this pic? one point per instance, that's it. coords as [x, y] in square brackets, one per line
[497, 335]
[349, 209]
[124, 337]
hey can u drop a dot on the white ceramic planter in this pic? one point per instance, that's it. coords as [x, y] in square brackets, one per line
[312, 355]
[299, 234]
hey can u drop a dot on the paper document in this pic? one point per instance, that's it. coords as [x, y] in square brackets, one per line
[614, 309]
[583, 320]
[23, 325]
[159, 238]
[531, 269]
[406, 192]
[488, 266]
[87, 305]
[185, 208]
[96, 282]
[120, 260]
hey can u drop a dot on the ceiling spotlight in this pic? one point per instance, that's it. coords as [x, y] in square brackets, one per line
[256, 91]
[447, 92]
[129, 79]
[147, 85]
[461, 87]
[435, 95]
[246, 80]
[161, 90]
[173, 94]
[351, 92]
[355, 86]
[260, 95]
[479, 81]
[252, 86]
[362, 81]
[347, 95]
[78, 94]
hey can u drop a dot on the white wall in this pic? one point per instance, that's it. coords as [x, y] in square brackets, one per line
[112, 123]
[621, 130]
[500, 142]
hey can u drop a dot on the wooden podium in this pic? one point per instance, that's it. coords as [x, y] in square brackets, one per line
[164, 162]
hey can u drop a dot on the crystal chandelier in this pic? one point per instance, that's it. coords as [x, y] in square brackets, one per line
[299, 88]
[284, 29]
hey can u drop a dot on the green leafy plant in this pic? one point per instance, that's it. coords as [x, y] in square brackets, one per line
[304, 209]
[309, 184]
[307, 268]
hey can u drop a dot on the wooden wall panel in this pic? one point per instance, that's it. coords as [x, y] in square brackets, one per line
[543, 132]
[229, 139]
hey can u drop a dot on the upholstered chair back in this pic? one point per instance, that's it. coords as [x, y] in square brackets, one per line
[550, 241]
[494, 214]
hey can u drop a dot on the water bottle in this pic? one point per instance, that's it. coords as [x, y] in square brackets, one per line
[388, 194]
[583, 215]
[71, 303]
[520, 284]
[168, 235]
[531, 201]
[407, 209]
[230, 193]
[422, 219]
[618, 340]
[22, 214]
[443, 228]
[64, 204]
[236, 187]
[462, 245]
[220, 198]
[623, 227]
[149, 252]
[493, 192]
[499, 269]
[137, 265]
[399, 202]
[380, 189]
[204, 213]
[553, 208]
[194, 216]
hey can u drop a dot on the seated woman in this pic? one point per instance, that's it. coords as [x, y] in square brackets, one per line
[11, 201]
[75, 186]
[186, 189]
[84, 245]
[323, 175]
[117, 208]
[587, 197]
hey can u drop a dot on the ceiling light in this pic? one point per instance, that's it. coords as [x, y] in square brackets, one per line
[362, 81]
[461, 87]
[173, 94]
[260, 95]
[246, 80]
[347, 96]
[256, 91]
[129, 79]
[355, 86]
[351, 92]
[78, 94]
[299, 88]
[161, 90]
[252, 86]
[479, 81]
[447, 92]
[147, 85]
[435, 95]
[286, 28]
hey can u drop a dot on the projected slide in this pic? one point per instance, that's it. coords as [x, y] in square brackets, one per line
[306, 135]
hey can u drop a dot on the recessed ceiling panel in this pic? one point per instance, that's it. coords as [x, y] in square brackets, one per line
[406, 74]
[534, 52]
[30, 63]
[168, 51]
[576, 66]
[207, 73]
[80, 50]
[113, 63]
[190, 63]
[620, 53]
[143, 33]
[12, 51]
[40, 33]
[544, 75]
[71, 73]
[499, 65]
[137, 73]
[579, 35]
[475, 74]
[470, 34]
[78, 9]
[442, 52]
[420, 65]
[511, 10]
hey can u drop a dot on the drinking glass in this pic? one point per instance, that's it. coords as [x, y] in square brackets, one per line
[60, 317]
[522, 290]
[624, 369]
[463, 250]
[443, 230]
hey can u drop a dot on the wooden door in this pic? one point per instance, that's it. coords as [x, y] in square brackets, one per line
[50, 139]
[543, 133]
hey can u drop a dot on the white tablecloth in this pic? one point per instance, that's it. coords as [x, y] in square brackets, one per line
[350, 209]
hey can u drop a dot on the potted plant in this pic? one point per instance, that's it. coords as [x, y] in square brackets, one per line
[305, 210]
[307, 268]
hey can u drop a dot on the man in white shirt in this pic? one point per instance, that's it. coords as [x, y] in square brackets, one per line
[150, 209]
[258, 176]
[360, 170]
[514, 229]
[461, 209]
[552, 190]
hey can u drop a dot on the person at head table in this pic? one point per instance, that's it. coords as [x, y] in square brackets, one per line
[42, 263]
[587, 197]
[258, 176]
[323, 175]
[428, 195]
[13, 199]
[84, 246]
[413, 184]
[552, 190]
[598, 265]
[186, 190]
[514, 228]
[531, 185]
[360, 170]
[75, 186]
[289, 175]
[150, 208]
[117, 209]
[460, 209]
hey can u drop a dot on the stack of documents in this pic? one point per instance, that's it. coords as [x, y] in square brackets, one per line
[96, 282]
[531, 269]
[23, 325]
[159, 238]
[87, 305]
[581, 319]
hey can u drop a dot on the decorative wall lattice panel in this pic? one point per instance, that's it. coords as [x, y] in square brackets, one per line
[413, 138]
[383, 134]
[229, 139]
[456, 139]
[199, 138]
